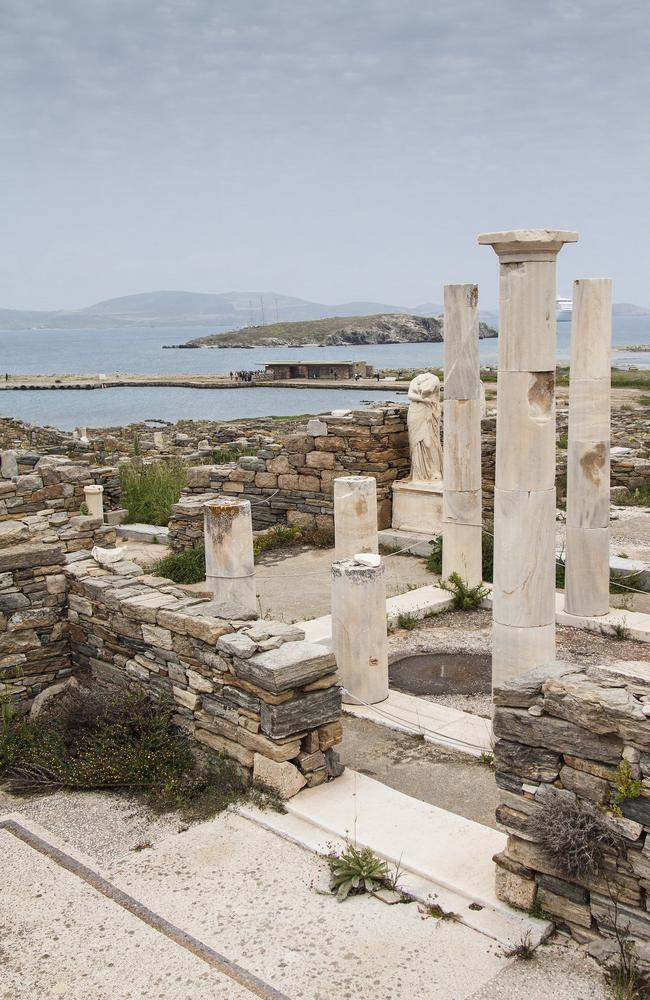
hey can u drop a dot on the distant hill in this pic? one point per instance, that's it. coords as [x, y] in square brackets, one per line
[391, 328]
[178, 308]
[232, 310]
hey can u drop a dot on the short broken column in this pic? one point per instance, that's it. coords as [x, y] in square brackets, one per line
[8, 464]
[523, 612]
[462, 509]
[587, 523]
[359, 633]
[95, 500]
[355, 516]
[229, 561]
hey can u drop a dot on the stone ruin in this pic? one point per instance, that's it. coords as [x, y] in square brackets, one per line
[260, 693]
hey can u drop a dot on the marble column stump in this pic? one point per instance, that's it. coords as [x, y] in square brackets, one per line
[95, 500]
[587, 534]
[229, 562]
[359, 633]
[524, 497]
[355, 516]
[462, 508]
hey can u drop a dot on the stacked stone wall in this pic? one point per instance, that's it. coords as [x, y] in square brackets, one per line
[34, 650]
[253, 690]
[42, 483]
[34, 553]
[569, 733]
[293, 482]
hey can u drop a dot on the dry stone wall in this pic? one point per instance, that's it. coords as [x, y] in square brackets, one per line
[34, 553]
[252, 689]
[293, 482]
[49, 483]
[567, 734]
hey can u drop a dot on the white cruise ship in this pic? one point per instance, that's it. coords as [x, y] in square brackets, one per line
[563, 309]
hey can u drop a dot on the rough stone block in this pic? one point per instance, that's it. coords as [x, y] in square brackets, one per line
[555, 734]
[223, 745]
[564, 909]
[534, 763]
[513, 889]
[596, 708]
[237, 644]
[524, 690]
[290, 666]
[284, 778]
[587, 786]
[305, 712]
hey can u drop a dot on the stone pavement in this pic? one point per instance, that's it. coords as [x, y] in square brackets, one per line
[228, 891]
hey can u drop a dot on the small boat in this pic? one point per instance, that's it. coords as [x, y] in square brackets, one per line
[563, 309]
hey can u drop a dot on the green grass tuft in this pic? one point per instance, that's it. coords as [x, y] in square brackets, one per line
[183, 567]
[149, 491]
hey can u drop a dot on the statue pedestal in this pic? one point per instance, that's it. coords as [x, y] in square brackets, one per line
[417, 507]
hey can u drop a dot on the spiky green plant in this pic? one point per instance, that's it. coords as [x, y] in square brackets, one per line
[357, 870]
[465, 598]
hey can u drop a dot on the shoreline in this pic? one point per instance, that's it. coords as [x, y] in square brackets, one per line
[22, 383]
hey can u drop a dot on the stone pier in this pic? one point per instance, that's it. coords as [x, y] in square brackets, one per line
[355, 516]
[587, 531]
[462, 512]
[229, 562]
[95, 500]
[524, 497]
[359, 635]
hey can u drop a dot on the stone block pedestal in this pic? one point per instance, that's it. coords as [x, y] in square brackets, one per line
[417, 507]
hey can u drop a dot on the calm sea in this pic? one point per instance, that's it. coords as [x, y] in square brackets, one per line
[140, 350]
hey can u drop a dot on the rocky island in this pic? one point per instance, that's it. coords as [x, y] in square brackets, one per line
[387, 328]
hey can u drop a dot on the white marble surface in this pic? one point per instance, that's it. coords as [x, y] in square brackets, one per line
[359, 633]
[525, 456]
[229, 561]
[417, 507]
[524, 565]
[355, 516]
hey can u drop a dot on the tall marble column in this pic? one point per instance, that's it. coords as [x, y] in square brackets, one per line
[359, 634]
[229, 562]
[462, 512]
[587, 532]
[355, 516]
[524, 497]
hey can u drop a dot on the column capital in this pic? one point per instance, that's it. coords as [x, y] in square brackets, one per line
[528, 244]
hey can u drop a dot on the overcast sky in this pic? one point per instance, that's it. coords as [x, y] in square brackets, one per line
[330, 150]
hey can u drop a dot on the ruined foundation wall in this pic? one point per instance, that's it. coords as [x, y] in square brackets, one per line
[296, 477]
[34, 553]
[563, 733]
[42, 484]
[251, 689]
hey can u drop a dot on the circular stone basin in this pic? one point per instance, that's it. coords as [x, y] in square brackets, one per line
[442, 673]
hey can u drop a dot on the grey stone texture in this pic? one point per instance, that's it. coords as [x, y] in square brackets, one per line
[588, 724]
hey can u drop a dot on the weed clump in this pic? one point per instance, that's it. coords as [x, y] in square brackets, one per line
[182, 567]
[465, 598]
[357, 870]
[150, 491]
[120, 742]
[574, 835]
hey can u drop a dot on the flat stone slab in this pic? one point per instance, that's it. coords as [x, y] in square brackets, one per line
[416, 544]
[443, 855]
[143, 532]
[446, 727]
[291, 665]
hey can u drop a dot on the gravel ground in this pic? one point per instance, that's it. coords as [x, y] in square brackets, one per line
[103, 825]
[470, 632]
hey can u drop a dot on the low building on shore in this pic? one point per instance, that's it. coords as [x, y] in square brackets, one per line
[330, 370]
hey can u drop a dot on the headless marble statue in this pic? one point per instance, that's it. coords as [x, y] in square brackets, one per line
[423, 422]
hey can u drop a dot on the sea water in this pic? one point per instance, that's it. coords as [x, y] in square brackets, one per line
[140, 350]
